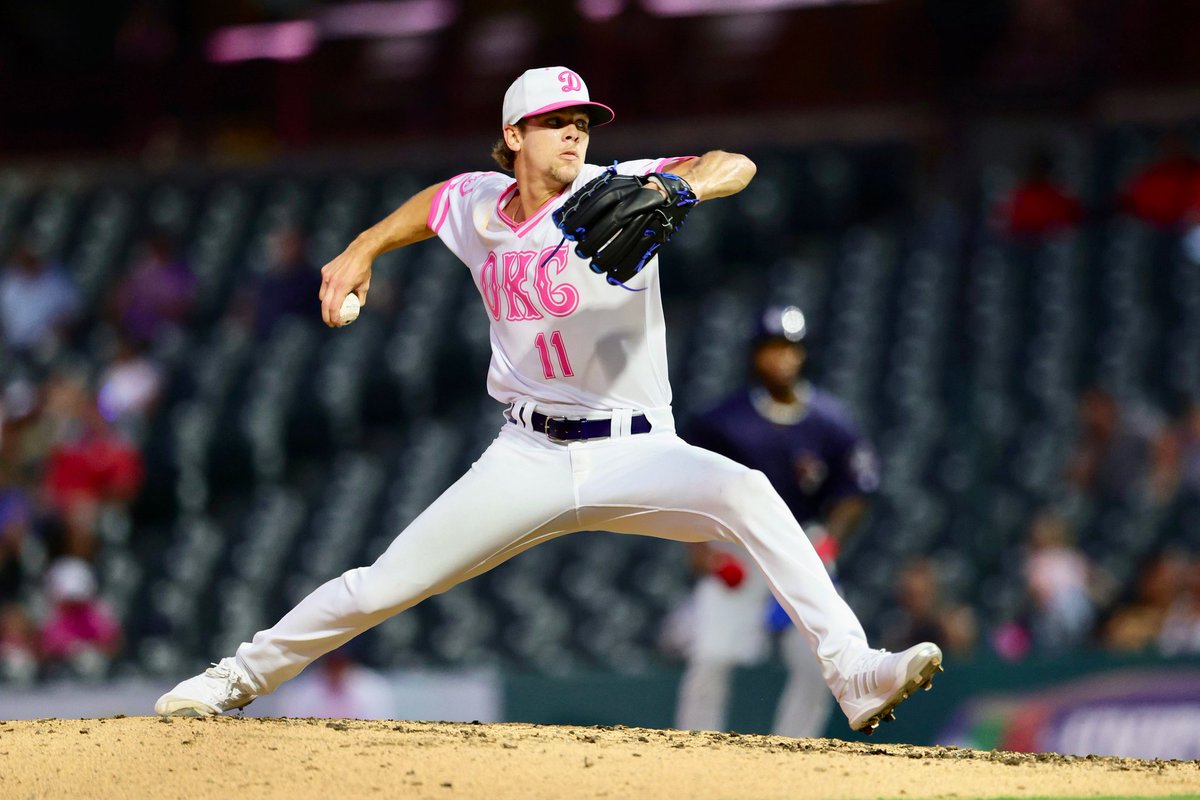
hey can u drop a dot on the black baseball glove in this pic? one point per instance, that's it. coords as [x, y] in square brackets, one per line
[619, 222]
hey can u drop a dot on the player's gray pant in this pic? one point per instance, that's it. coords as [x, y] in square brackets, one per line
[728, 631]
[525, 490]
[804, 706]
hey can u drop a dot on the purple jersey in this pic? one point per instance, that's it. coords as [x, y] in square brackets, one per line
[812, 460]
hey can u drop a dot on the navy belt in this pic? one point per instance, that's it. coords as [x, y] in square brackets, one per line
[562, 429]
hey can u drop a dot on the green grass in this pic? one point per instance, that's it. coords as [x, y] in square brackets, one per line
[1059, 797]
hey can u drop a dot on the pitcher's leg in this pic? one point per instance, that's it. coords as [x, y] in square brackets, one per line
[669, 489]
[511, 499]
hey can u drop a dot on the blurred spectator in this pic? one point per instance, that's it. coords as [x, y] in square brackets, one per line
[146, 36]
[1184, 449]
[1058, 579]
[1038, 206]
[158, 294]
[50, 409]
[1011, 640]
[16, 520]
[289, 287]
[1122, 453]
[921, 614]
[1164, 191]
[90, 463]
[80, 626]
[339, 687]
[1180, 632]
[1138, 625]
[18, 401]
[38, 302]
[1046, 44]
[18, 645]
[130, 386]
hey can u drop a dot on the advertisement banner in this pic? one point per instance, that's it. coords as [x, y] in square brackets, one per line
[1138, 713]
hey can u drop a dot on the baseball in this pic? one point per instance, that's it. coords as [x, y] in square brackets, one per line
[349, 310]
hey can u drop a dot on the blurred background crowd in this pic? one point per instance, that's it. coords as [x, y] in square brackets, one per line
[989, 212]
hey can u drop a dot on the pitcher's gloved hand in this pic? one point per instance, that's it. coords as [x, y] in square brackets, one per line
[619, 222]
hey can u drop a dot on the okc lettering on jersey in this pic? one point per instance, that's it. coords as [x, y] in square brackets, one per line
[508, 274]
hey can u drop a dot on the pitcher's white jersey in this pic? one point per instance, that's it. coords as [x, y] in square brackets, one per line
[561, 335]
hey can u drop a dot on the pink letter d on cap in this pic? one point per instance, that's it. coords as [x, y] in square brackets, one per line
[548, 89]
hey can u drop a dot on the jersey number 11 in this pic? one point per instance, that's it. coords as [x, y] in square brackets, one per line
[556, 341]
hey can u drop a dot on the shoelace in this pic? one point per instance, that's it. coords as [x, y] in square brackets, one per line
[220, 671]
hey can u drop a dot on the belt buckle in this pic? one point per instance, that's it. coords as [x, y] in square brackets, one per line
[578, 422]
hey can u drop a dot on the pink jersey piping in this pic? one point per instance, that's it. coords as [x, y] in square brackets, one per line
[440, 208]
[438, 211]
[523, 228]
[659, 165]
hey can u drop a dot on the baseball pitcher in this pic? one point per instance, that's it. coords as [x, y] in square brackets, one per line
[564, 256]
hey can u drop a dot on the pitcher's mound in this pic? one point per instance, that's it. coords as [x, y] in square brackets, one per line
[316, 758]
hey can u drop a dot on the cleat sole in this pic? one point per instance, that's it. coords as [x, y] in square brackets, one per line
[183, 708]
[923, 679]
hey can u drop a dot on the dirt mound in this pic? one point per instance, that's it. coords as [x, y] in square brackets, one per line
[300, 758]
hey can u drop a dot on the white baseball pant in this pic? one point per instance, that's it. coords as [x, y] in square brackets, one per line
[525, 490]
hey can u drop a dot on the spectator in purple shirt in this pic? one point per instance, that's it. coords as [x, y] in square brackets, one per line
[16, 522]
[158, 294]
[289, 287]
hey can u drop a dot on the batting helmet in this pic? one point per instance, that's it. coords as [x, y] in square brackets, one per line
[781, 322]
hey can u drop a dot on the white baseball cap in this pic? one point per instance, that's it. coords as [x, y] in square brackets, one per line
[547, 89]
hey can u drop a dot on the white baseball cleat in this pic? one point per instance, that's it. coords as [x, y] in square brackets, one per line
[221, 687]
[882, 680]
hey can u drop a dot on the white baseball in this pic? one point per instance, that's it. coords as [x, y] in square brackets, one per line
[349, 310]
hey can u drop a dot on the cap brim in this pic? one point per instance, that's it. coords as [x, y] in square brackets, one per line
[770, 338]
[598, 113]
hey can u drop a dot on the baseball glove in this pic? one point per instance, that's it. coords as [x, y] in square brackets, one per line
[619, 222]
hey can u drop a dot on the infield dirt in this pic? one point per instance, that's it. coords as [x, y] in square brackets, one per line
[232, 757]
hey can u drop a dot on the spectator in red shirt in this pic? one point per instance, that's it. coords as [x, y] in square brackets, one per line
[1164, 192]
[91, 464]
[1038, 206]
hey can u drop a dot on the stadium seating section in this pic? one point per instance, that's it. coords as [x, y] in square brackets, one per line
[275, 464]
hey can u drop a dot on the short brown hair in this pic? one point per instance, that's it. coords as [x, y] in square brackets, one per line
[504, 155]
